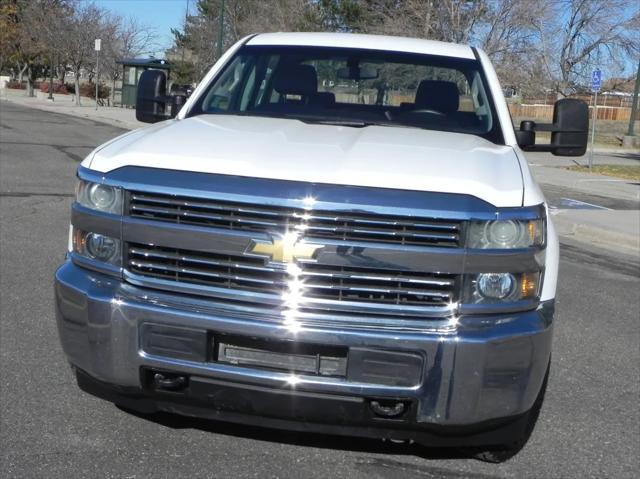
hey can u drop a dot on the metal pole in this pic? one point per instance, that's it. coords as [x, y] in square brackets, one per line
[186, 19]
[97, 58]
[50, 97]
[634, 103]
[221, 28]
[594, 116]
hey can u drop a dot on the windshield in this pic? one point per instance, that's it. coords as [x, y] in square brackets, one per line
[354, 88]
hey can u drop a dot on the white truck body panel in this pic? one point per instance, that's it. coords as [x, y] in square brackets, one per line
[378, 156]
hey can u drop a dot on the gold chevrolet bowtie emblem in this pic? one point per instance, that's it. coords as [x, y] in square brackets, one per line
[286, 249]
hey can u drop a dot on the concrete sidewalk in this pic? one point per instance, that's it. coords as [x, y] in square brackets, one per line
[589, 183]
[617, 231]
[116, 116]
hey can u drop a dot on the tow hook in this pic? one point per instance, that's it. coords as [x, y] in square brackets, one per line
[390, 409]
[170, 383]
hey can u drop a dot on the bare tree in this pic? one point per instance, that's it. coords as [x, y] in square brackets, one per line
[576, 35]
[128, 39]
[507, 34]
[82, 28]
[445, 20]
[27, 44]
[241, 17]
[8, 32]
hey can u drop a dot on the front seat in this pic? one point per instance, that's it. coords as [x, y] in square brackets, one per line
[296, 79]
[437, 95]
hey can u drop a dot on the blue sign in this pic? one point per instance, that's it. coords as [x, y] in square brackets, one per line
[596, 80]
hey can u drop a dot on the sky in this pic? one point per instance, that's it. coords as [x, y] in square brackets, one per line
[161, 15]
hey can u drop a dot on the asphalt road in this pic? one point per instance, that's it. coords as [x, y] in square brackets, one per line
[589, 426]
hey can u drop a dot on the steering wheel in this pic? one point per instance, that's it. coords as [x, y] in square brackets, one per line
[433, 112]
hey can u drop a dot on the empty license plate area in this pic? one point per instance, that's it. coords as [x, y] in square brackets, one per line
[353, 364]
[356, 364]
[290, 356]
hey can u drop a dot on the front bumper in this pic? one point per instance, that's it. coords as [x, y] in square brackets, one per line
[487, 371]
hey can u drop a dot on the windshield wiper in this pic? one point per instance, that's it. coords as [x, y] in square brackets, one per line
[324, 121]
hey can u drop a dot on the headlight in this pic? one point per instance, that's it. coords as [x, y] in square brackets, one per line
[100, 197]
[97, 247]
[505, 234]
[502, 287]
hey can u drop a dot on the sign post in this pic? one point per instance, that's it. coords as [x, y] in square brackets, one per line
[596, 83]
[97, 46]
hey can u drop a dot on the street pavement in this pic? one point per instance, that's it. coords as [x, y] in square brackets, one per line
[589, 425]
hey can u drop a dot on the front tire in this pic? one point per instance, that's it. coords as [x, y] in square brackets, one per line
[504, 452]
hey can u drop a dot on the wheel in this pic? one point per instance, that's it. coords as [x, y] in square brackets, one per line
[502, 453]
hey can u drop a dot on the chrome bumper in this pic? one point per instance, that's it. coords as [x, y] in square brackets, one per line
[487, 368]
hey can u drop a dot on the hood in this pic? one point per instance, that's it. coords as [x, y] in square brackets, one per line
[377, 156]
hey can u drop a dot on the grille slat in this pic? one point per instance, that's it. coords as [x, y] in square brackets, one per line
[340, 226]
[400, 279]
[183, 216]
[181, 270]
[195, 258]
[325, 282]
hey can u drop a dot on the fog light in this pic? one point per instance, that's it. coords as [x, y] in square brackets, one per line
[101, 247]
[496, 285]
[97, 247]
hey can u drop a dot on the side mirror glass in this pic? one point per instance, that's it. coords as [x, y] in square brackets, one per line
[571, 119]
[569, 130]
[151, 97]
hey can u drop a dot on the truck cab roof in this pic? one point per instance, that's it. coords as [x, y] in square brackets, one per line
[363, 41]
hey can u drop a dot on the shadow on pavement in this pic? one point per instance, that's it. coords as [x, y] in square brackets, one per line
[626, 156]
[306, 439]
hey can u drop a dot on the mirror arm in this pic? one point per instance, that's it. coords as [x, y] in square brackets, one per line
[165, 100]
[548, 147]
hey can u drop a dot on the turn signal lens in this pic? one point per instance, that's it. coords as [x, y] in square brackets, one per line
[529, 285]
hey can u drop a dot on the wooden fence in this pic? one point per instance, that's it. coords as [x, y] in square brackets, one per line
[545, 112]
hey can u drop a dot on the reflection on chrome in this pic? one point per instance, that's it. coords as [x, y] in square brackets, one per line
[453, 319]
[293, 297]
[117, 302]
[308, 202]
[293, 380]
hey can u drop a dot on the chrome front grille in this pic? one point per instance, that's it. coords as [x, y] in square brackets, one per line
[316, 281]
[347, 226]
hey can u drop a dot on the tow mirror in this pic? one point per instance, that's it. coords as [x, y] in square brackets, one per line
[152, 102]
[569, 130]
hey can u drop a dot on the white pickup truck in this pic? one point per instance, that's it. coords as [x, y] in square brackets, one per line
[335, 233]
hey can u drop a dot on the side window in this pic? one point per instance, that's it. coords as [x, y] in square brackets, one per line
[220, 98]
[481, 102]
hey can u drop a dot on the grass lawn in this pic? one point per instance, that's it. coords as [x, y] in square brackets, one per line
[629, 172]
[608, 132]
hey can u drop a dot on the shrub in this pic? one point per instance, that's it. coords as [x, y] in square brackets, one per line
[57, 88]
[90, 90]
[17, 85]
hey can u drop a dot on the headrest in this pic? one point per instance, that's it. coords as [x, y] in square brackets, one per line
[323, 98]
[442, 96]
[296, 79]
